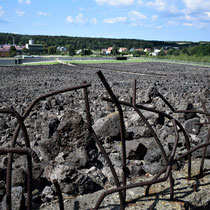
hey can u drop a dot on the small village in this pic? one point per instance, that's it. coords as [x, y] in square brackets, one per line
[38, 49]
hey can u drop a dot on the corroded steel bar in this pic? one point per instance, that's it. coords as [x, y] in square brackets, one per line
[21, 151]
[59, 193]
[207, 140]
[122, 126]
[29, 162]
[187, 141]
[94, 136]
[150, 182]
[26, 113]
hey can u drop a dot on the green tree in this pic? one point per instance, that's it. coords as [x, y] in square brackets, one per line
[114, 50]
[161, 53]
[12, 51]
[86, 52]
[25, 51]
[51, 50]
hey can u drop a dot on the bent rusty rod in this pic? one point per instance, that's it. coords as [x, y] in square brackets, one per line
[207, 140]
[122, 127]
[29, 163]
[94, 136]
[59, 193]
[150, 182]
[187, 141]
[27, 112]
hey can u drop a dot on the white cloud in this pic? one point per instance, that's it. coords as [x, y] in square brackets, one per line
[24, 1]
[115, 20]
[80, 19]
[159, 27]
[208, 14]
[1, 11]
[159, 5]
[93, 21]
[136, 16]
[20, 13]
[115, 2]
[187, 24]
[163, 5]
[42, 14]
[154, 18]
[69, 19]
[197, 5]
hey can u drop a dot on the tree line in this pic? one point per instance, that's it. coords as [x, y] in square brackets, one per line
[82, 42]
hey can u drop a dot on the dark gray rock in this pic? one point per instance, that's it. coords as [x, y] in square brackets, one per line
[135, 150]
[191, 126]
[17, 199]
[72, 181]
[108, 126]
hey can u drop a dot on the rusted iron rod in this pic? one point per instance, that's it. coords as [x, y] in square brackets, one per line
[106, 157]
[59, 193]
[27, 112]
[181, 111]
[187, 141]
[29, 160]
[122, 127]
[150, 182]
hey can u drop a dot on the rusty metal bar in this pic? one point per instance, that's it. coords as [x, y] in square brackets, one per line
[26, 113]
[207, 140]
[187, 141]
[94, 136]
[122, 127]
[150, 182]
[29, 161]
[59, 193]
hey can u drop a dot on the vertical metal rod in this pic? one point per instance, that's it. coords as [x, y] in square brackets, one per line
[59, 193]
[207, 140]
[94, 136]
[122, 127]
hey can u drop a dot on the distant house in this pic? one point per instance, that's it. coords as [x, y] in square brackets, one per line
[122, 49]
[147, 50]
[103, 51]
[4, 49]
[34, 48]
[155, 53]
[62, 49]
[109, 50]
[140, 49]
[78, 51]
[132, 49]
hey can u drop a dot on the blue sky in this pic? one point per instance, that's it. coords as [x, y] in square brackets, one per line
[168, 20]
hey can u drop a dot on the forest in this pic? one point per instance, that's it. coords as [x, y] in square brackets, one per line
[84, 42]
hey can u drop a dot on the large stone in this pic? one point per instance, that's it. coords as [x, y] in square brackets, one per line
[72, 181]
[17, 199]
[108, 126]
[191, 126]
[135, 150]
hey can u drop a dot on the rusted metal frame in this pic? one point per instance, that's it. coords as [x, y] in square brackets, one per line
[207, 140]
[181, 111]
[27, 112]
[122, 127]
[155, 137]
[94, 136]
[187, 141]
[21, 151]
[59, 193]
[29, 163]
[150, 182]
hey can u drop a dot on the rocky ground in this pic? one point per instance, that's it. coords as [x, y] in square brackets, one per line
[58, 132]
